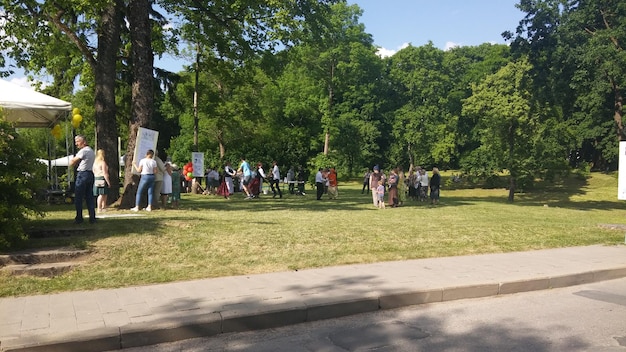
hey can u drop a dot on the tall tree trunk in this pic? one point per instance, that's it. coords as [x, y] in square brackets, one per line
[331, 96]
[512, 172]
[142, 92]
[618, 115]
[220, 141]
[105, 108]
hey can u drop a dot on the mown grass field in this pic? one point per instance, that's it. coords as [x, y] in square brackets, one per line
[210, 236]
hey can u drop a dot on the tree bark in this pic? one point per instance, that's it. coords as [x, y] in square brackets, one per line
[142, 104]
[105, 108]
[512, 181]
[618, 115]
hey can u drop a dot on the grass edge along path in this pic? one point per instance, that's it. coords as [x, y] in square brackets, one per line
[212, 237]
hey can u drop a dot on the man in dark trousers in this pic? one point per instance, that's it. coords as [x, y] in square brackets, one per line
[319, 183]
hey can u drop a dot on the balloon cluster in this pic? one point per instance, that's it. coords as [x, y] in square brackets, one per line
[77, 118]
[56, 131]
[188, 171]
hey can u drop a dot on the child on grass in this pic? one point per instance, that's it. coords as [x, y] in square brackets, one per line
[380, 191]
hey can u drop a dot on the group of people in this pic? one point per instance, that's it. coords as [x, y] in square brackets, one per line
[250, 180]
[161, 180]
[326, 183]
[398, 187]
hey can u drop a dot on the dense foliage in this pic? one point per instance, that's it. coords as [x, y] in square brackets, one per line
[303, 85]
[21, 178]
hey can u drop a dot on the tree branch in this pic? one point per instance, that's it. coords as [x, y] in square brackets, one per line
[84, 49]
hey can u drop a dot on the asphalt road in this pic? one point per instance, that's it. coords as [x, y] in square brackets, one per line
[588, 317]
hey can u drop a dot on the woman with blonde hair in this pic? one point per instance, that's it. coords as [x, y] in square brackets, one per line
[101, 181]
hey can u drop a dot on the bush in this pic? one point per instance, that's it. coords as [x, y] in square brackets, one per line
[21, 176]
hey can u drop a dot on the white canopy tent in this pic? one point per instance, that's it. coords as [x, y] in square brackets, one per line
[28, 108]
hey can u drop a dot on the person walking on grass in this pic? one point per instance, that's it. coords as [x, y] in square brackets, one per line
[147, 167]
[275, 181]
[244, 170]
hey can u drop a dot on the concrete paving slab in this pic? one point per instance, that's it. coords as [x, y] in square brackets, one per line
[111, 319]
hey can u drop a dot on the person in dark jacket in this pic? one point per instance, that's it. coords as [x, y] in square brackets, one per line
[435, 184]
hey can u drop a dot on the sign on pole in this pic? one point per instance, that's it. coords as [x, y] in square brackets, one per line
[146, 139]
[621, 179]
[197, 159]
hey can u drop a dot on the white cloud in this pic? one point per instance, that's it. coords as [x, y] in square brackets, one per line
[384, 52]
[451, 45]
[21, 81]
[24, 82]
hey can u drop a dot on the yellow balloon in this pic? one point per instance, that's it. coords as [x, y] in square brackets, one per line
[78, 117]
[75, 123]
[76, 111]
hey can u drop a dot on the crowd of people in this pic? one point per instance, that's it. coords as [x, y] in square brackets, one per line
[162, 182]
[398, 187]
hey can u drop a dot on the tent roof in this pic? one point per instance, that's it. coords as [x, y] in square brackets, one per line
[28, 108]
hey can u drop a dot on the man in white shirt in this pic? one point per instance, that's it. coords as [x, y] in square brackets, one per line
[83, 184]
[319, 183]
[275, 182]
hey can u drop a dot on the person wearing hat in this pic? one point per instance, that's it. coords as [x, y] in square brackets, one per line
[375, 178]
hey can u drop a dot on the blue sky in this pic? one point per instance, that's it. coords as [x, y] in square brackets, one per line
[396, 23]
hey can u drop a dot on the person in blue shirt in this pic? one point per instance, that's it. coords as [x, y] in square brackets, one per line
[244, 168]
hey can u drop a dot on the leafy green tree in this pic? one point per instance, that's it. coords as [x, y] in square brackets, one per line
[515, 135]
[421, 133]
[576, 48]
[57, 37]
[467, 65]
[21, 178]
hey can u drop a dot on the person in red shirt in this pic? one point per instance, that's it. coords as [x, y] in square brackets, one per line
[332, 183]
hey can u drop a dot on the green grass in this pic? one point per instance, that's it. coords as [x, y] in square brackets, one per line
[212, 237]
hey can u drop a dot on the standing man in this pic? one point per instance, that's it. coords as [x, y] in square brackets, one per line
[83, 186]
[275, 182]
[319, 183]
[244, 169]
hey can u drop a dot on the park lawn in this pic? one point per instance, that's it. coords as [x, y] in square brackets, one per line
[212, 237]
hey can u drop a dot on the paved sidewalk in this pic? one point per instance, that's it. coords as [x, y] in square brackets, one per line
[112, 319]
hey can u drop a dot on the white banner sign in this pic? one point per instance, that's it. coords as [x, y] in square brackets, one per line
[621, 179]
[197, 161]
[146, 139]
